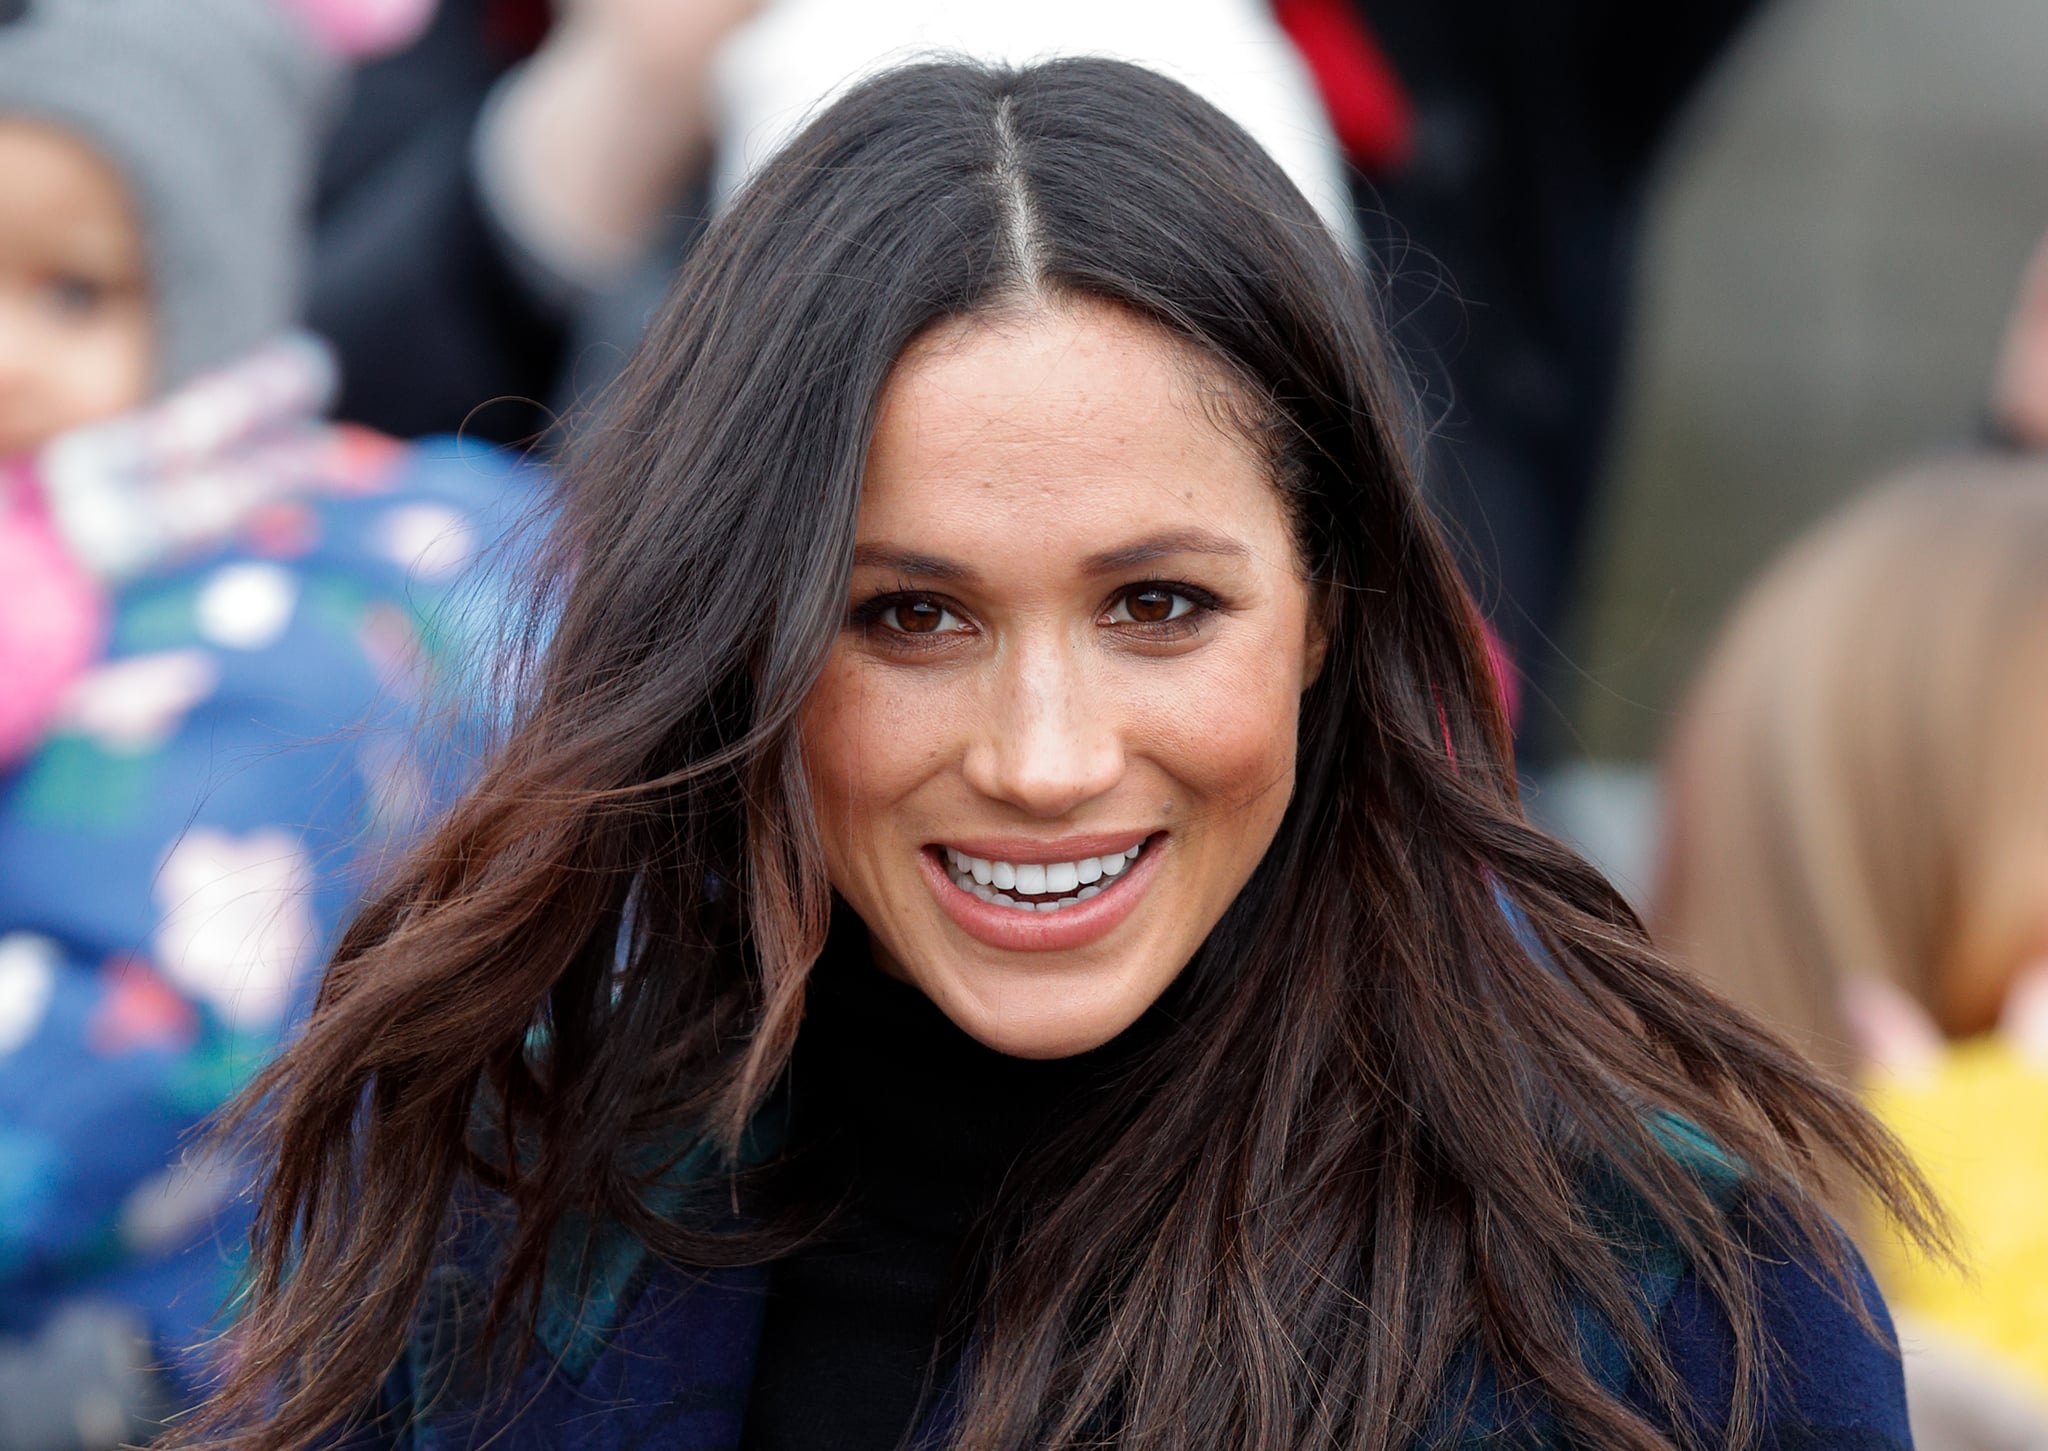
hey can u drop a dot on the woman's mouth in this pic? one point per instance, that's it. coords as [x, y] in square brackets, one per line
[1039, 905]
[1037, 886]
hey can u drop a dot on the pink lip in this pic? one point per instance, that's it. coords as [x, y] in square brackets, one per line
[1061, 931]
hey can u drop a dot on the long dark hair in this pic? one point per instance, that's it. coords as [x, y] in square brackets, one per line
[1387, 1087]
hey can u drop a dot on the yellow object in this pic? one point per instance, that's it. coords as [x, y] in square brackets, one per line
[1978, 1126]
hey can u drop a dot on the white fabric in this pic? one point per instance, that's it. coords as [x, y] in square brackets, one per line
[1961, 1399]
[798, 54]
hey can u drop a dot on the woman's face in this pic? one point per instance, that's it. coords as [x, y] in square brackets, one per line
[1058, 729]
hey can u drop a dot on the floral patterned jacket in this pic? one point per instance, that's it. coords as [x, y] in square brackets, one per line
[178, 847]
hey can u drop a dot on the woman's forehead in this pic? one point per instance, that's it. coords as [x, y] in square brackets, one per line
[1067, 432]
[1061, 356]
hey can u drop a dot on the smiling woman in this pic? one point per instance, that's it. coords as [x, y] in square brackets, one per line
[1078, 592]
[1002, 918]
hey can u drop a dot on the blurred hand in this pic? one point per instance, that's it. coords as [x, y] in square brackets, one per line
[2024, 1021]
[1891, 1031]
[1895, 1035]
[599, 132]
[2019, 392]
[657, 40]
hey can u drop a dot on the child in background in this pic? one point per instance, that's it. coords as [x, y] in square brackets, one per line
[1858, 851]
[218, 619]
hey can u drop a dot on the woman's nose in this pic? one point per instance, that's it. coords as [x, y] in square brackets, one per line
[1049, 742]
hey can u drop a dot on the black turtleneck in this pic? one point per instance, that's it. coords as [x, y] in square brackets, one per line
[908, 1126]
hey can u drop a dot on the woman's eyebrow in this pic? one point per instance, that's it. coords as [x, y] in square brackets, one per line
[909, 562]
[1109, 561]
[1162, 546]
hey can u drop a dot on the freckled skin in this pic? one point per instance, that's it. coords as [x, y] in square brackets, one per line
[76, 337]
[1017, 449]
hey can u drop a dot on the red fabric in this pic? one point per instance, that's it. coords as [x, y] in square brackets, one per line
[140, 1012]
[1505, 680]
[515, 28]
[1368, 107]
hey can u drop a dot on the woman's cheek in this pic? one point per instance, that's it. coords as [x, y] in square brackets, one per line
[1226, 731]
[835, 724]
[870, 734]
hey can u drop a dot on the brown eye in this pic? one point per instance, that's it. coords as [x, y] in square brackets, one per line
[1150, 604]
[919, 617]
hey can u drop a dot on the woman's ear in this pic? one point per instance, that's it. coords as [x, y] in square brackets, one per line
[1318, 644]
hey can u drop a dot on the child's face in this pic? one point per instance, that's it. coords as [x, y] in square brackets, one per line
[76, 338]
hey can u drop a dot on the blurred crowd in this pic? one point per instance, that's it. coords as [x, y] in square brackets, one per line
[298, 298]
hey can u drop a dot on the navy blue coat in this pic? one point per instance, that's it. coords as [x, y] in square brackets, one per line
[650, 1356]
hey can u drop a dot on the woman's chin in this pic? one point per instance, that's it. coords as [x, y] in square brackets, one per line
[1040, 1019]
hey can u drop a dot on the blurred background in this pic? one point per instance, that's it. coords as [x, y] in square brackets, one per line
[1731, 368]
[1833, 246]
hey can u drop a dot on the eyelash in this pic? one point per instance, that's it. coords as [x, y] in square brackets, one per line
[868, 616]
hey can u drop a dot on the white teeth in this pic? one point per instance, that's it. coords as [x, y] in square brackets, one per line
[1066, 882]
[1000, 899]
